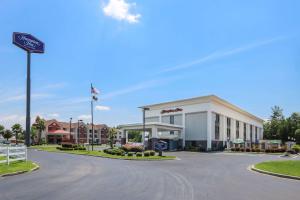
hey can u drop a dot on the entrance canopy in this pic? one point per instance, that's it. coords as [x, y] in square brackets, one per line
[156, 130]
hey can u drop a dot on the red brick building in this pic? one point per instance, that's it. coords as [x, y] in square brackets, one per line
[57, 132]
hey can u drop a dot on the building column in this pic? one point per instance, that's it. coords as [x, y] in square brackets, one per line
[123, 136]
[224, 129]
[233, 129]
[209, 124]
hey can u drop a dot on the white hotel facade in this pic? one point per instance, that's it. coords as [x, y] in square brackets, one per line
[207, 122]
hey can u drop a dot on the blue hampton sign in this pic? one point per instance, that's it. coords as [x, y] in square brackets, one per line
[28, 42]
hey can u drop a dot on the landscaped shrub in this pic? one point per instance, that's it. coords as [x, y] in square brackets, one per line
[130, 154]
[134, 147]
[232, 149]
[146, 153]
[247, 150]
[117, 151]
[257, 150]
[152, 153]
[65, 148]
[296, 148]
[68, 145]
[139, 154]
[237, 149]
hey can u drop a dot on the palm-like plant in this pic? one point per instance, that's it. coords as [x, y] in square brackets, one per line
[7, 134]
[112, 132]
[40, 126]
[17, 129]
[1, 130]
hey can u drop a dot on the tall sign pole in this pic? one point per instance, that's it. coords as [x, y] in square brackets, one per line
[30, 44]
[28, 95]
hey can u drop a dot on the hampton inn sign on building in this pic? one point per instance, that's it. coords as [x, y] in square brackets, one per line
[207, 122]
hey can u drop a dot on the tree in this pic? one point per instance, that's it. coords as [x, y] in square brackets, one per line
[112, 132]
[297, 136]
[17, 129]
[39, 126]
[277, 113]
[1, 129]
[134, 136]
[7, 134]
[33, 133]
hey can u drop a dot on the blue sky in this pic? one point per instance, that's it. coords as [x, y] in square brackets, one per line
[139, 52]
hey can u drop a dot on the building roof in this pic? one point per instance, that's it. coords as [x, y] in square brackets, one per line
[74, 124]
[202, 99]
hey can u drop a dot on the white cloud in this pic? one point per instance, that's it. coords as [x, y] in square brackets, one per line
[23, 97]
[120, 10]
[102, 108]
[53, 115]
[84, 117]
[221, 54]
[9, 120]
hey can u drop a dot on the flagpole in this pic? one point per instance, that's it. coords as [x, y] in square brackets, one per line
[92, 113]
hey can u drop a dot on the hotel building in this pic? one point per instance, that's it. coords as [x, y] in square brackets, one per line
[207, 123]
[57, 132]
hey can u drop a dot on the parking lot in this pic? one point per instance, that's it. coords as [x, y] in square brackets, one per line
[193, 176]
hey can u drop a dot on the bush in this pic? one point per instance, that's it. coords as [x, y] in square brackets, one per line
[139, 154]
[65, 148]
[232, 149]
[146, 153]
[130, 154]
[134, 147]
[296, 148]
[118, 152]
[152, 153]
[247, 150]
[68, 145]
[237, 149]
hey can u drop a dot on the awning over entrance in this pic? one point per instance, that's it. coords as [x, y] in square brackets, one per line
[154, 128]
[58, 132]
[238, 141]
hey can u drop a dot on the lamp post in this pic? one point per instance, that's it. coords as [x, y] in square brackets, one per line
[80, 120]
[144, 124]
[70, 126]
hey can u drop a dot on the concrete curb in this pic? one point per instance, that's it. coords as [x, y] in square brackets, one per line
[21, 172]
[167, 159]
[274, 174]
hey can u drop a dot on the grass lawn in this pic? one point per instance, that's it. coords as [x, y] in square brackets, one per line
[287, 167]
[16, 167]
[52, 148]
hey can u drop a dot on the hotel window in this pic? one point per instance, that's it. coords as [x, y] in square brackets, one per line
[255, 134]
[237, 129]
[228, 127]
[251, 129]
[72, 129]
[217, 127]
[171, 132]
[172, 119]
[245, 131]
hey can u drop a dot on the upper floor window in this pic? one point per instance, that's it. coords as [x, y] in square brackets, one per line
[228, 127]
[171, 119]
[237, 129]
[245, 131]
[255, 134]
[251, 129]
[217, 127]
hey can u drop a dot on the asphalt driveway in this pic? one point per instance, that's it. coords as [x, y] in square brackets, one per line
[195, 176]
